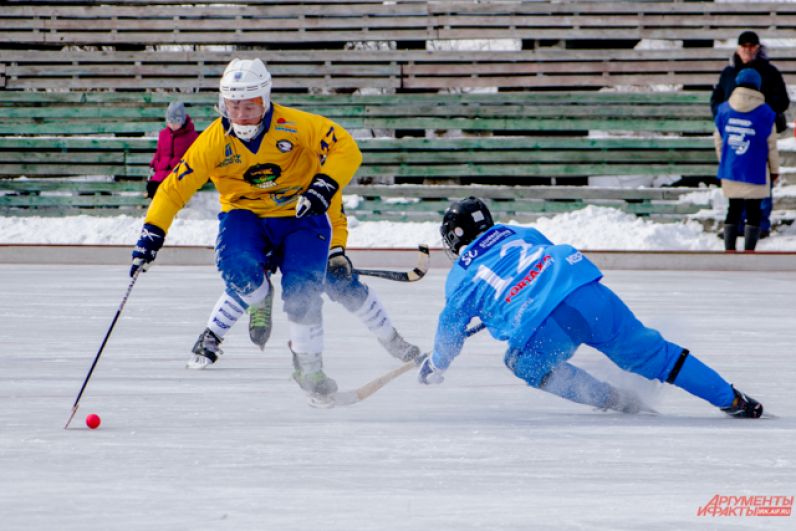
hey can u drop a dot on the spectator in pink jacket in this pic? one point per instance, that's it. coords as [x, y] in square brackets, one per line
[173, 141]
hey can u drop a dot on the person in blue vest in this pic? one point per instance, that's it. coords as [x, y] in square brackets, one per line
[752, 53]
[546, 300]
[746, 144]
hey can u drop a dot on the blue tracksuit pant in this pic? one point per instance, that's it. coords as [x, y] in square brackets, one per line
[594, 315]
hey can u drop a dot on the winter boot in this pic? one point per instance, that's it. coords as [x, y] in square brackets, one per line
[206, 350]
[743, 406]
[750, 236]
[400, 348]
[730, 235]
[308, 374]
[260, 322]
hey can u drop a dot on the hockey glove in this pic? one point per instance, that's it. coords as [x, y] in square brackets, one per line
[145, 251]
[316, 199]
[429, 374]
[339, 266]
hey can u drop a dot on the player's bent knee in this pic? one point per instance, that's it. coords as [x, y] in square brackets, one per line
[527, 368]
[242, 275]
[350, 293]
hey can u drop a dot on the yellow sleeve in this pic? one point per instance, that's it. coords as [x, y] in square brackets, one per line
[340, 159]
[185, 179]
[337, 149]
[339, 222]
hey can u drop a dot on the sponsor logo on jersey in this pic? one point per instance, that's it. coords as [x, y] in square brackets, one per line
[483, 244]
[288, 195]
[230, 157]
[574, 258]
[263, 175]
[285, 146]
[536, 269]
[286, 129]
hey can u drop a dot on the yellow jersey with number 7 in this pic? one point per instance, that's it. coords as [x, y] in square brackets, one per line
[265, 175]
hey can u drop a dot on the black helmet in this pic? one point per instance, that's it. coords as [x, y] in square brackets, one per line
[463, 221]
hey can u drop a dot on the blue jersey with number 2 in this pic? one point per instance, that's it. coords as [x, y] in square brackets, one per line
[511, 278]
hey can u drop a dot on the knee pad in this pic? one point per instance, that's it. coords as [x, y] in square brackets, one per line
[348, 291]
[527, 367]
[243, 274]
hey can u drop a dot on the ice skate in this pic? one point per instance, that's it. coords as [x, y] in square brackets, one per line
[743, 406]
[260, 322]
[206, 350]
[308, 374]
[400, 348]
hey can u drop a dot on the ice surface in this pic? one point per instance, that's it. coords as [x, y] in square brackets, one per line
[237, 447]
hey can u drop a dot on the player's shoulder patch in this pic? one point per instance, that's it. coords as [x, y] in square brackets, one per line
[285, 119]
[484, 243]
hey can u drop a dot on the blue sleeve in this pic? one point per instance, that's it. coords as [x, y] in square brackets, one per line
[451, 330]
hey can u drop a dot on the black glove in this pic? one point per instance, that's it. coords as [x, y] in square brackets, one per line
[145, 251]
[339, 265]
[151, 188]
[316, 199]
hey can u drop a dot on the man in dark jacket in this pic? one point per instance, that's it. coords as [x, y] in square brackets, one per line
[751, 54]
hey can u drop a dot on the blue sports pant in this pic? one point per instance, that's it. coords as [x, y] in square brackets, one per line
[348, 290]
[594, 315]
[298, 247]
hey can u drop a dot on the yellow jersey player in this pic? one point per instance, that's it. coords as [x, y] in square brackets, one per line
[277, 170]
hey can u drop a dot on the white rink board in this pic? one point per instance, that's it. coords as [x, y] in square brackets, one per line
[406, 258]
[236, 446]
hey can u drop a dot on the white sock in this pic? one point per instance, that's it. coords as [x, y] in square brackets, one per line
[257, 296]
[375, 317]
[225, 314]
[306, 338]
[227, 310]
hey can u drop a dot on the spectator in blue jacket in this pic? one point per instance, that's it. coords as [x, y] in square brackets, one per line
[746, 144]
[751, 53]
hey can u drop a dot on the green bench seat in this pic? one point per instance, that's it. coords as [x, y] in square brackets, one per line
[374, 202]
[501, 138]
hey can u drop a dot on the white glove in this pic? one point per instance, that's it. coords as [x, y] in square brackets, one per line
[429, 373]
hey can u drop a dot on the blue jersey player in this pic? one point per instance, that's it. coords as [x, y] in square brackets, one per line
[545, 300]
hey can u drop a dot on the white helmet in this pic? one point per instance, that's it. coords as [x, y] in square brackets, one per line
[244, 79]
